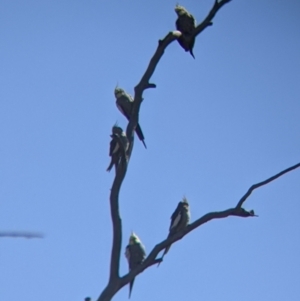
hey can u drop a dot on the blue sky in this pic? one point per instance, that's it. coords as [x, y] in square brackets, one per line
[214, 126]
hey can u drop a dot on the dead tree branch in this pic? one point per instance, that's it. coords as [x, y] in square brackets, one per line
[115, 282]
[237, 211]
[247, 194]
[163, 44]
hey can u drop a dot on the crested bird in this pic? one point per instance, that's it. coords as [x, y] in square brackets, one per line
[118, 146]
[124, 102]
[135, 253]
[186, 24]
[179, 220]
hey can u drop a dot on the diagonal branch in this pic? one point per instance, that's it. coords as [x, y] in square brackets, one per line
[237, 211]
[163, 44]
[151, 258]
[208, 20]
[247, 194]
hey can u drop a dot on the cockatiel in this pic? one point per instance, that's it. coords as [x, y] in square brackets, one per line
[135, 254]
[179, 220]
[124, 102]
[118, 146]
[186, 24]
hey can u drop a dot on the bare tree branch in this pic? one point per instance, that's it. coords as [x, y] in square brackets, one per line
[208, 20]
[247, 194]
[19, 234]
[237, 211]
[117, 223]
[115, 282]
[151, 259]
[163, 44]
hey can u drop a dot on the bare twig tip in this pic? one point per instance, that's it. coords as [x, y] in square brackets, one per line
[151, 85]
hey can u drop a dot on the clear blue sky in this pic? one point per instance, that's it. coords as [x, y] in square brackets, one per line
[213, 127]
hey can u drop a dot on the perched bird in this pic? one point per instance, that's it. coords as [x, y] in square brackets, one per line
[186, 24]
[135, 254]
[124, 102]
[114, 153]
[118, 146]
[179, 220]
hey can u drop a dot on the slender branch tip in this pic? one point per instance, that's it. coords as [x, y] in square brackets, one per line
[150, 85]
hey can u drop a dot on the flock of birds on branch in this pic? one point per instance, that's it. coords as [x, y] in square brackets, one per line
[119, 144]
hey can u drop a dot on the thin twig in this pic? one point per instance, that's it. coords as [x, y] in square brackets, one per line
[247, 194]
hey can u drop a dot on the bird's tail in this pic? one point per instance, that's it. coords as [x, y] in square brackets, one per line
[130, 287]
[110, 165]
[192, 54]
[140, 134]
[165, 252]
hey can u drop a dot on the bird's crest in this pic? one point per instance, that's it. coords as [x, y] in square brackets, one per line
[115, 125]
[180, 10]
[116, 129]
[133, 238]
[118, 91]
[185, 201]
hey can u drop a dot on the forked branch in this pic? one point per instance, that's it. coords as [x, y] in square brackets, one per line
[237, 211]
[115, 282]
[163, 44]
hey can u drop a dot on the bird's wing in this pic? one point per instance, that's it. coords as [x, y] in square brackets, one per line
[177, 23]
[114, 146]
[175, 222]
[127, 254]
[186, 24]
[122, 110]
[124, 104]
[177, 210]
